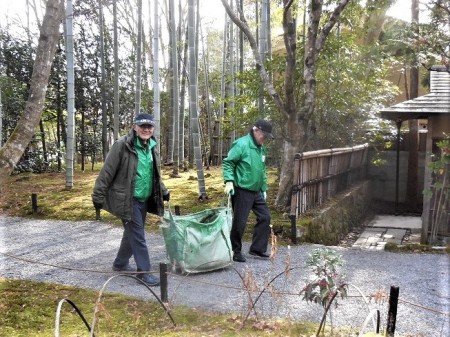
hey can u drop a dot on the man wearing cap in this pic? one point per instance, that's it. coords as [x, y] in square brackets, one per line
[244, 173]
[128, 186]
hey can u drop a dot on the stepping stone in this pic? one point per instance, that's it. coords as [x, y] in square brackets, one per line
[394, 235]
[370, 232]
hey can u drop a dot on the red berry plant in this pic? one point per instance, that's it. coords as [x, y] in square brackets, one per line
[326, 281]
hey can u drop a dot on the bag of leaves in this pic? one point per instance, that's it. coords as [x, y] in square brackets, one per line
[198, 242]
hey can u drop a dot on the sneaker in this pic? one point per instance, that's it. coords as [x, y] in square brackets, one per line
[127, 267]
[238, 257]
[259, 254]
[150, 279]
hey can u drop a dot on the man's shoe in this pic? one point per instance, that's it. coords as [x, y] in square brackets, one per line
[259, 254]
[238, 257]
[127, 267]
[151, 280]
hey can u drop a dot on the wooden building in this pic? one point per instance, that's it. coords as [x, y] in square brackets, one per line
[433, 112]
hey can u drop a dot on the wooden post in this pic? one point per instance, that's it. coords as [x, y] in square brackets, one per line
[163, 281]
[293, 229]
[392, 311]
[378, 322]
[34, 205]
[397, 168]
[295, 198]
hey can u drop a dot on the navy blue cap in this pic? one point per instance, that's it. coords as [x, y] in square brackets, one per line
[144, 118]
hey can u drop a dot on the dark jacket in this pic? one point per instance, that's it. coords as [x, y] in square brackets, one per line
[114, 185]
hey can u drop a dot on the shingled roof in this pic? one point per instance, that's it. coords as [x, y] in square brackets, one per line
[436, 102]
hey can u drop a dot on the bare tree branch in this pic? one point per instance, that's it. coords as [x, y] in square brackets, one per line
[330, 24]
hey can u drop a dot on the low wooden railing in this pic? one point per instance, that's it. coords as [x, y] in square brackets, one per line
[321, 175]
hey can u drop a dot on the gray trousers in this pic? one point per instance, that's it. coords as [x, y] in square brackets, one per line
[133, 240]
[243, 201]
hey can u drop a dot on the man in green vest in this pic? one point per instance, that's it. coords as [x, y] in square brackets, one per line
[129, 185]
[244, 173]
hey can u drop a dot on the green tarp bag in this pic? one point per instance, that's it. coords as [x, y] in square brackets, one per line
[198, 242]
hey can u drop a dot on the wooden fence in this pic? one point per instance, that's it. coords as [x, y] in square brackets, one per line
[321, 175]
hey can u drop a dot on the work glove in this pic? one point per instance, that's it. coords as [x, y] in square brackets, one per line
[229, 188]
[166, 197]
[97, 205]
[264, 195]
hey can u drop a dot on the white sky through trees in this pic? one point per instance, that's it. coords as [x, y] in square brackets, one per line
[212, 9]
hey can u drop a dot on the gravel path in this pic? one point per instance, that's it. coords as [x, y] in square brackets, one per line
[80, 254]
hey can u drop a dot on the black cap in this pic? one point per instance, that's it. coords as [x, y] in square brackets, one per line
[144, 118]
[265, 127]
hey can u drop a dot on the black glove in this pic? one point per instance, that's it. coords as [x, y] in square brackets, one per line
[97, 205]
[166, 197]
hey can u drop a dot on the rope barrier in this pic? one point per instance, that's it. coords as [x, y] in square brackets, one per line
[425, 308]
[69, 268]
[192, 281]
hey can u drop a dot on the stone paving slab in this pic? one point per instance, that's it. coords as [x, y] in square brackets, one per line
[373, 232]
[394, 235]
[366, 242]
[385, 229]
[414, 223]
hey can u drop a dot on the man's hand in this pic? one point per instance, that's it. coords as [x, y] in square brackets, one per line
[229, 188]
[264, 195]
[166, 197]
[97, 205]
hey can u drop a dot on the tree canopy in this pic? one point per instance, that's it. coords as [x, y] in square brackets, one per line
[326, 73]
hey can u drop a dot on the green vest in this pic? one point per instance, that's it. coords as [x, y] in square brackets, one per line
[143, 181]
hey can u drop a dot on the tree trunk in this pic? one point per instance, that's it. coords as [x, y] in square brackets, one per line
[137, 100]
[1, 119]
[105, 147]
[43, 143]
[240, 53]
[263, 50]
[156, 93]
[83, 139]
[292, 144]
[41, 124]
[231, 86]
[116, 73]
[184, 75]
[13, 149]
[59, 121]
[171, 127]
[222, 95]
[70, 143]
[175, 90]
[81, 98]
[193, 102]
[209, 119]
[413, 154]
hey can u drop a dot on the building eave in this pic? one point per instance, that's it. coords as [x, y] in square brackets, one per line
[437, 102]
